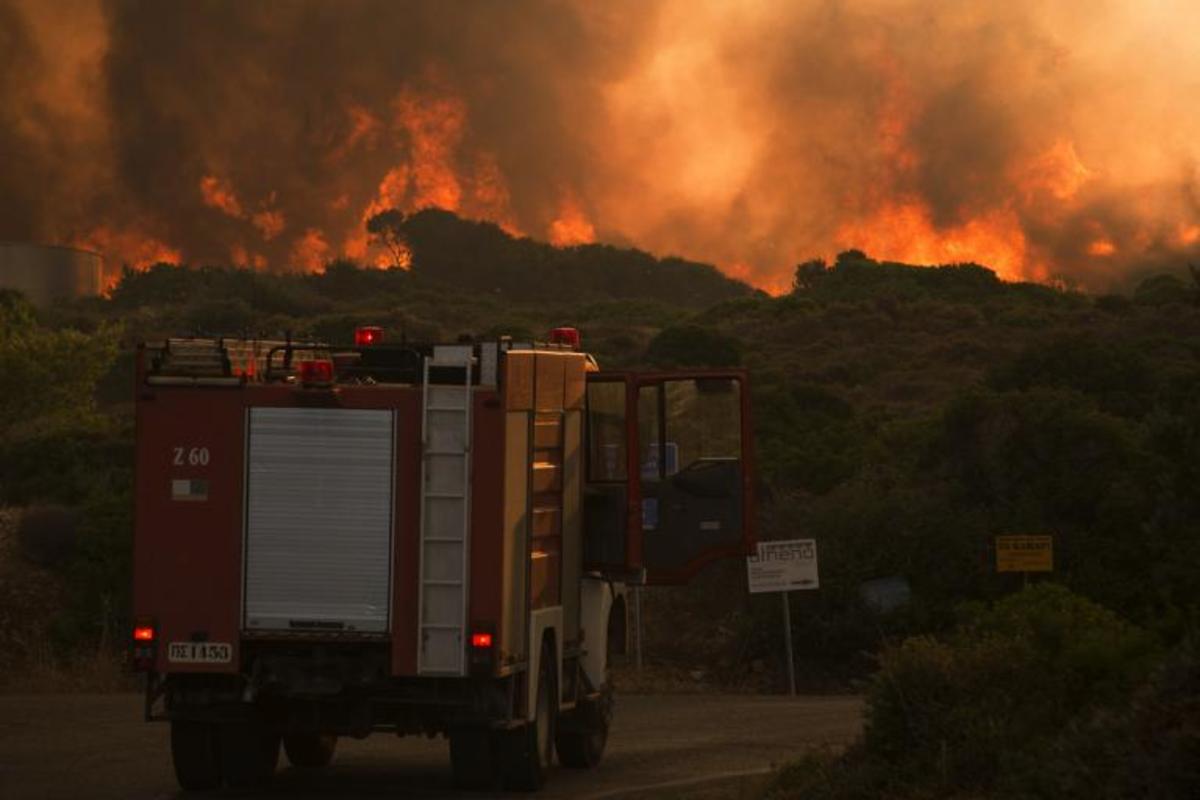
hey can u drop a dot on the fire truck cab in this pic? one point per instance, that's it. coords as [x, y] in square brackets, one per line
[414, 539]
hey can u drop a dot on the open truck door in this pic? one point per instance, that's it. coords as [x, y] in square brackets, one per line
[668, 480]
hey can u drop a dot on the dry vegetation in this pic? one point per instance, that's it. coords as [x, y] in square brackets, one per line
[31, 600]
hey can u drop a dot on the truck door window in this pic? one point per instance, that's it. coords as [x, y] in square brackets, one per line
[693, 511]
[651, 453]
[650, 433]
[606, 431]
[703, 423]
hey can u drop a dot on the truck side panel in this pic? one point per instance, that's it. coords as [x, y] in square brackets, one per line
[188, 530]
[487, 514]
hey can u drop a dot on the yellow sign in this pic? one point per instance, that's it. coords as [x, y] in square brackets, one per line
[1024, 553]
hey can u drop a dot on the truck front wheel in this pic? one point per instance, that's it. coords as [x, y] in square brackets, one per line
[309, 749]
[195, 754]
[583, 731]
[528, 751]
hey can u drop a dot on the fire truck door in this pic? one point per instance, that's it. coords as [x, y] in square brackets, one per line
[681, 470]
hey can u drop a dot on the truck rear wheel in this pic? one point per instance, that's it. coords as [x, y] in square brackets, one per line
[249, 752]
[528, 751]
[309, 749]
[195, 755]
[473, 758]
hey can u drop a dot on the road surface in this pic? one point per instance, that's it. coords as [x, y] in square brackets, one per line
[97, 746]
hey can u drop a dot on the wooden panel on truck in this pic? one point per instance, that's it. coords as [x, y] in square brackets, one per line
[516, 536]
[572, 522]
[188, 522]
[548, 381]
[546, 490]
[518, 380]
[574, 380]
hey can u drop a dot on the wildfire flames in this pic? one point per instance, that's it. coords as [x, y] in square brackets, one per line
[1036, 141]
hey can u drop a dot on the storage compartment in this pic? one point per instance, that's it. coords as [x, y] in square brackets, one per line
[319, 519]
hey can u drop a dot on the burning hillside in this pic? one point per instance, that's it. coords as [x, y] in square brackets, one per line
[1048, 143]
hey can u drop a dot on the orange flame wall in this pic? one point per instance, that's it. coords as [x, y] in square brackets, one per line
[1050, 141]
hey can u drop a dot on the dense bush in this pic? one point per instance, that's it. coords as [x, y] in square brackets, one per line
[48, 373]
[57, 446]
[47, 535]
[1019, 701]
[693, 346]
[99, 576]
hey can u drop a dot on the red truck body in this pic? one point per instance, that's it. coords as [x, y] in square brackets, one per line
[333, 541]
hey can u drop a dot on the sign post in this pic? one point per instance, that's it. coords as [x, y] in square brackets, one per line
[782, 566]
[637, 627]
[787, 643]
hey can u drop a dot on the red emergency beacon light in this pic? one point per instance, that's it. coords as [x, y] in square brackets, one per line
[368, 335]
[566, 336]
[318, 372]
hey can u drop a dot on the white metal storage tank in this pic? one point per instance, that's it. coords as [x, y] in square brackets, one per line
[45, 273]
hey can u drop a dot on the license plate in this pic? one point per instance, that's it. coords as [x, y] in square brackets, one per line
[199, 653]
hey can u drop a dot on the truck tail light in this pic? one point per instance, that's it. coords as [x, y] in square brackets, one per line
[482, 656]
[145, 645]
[566, 336]
[368, 335]
[318, 372]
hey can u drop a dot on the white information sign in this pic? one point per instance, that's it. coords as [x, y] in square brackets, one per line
[782, 566]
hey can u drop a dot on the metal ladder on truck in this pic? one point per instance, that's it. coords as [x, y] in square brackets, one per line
[445, 510]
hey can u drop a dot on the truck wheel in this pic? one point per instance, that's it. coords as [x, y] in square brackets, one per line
[194, 752]
[583, 731]
[309, 749]
[528, 751]
[472, 758]
[249, 753]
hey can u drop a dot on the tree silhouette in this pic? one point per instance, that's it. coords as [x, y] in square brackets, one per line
[387, 229]
[808, 273]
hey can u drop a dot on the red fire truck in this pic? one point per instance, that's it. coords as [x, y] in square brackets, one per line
[336, 541]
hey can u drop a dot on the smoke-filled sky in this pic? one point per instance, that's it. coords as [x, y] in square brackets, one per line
[1050, 140]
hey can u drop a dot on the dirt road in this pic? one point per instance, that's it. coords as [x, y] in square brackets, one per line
[96, 746]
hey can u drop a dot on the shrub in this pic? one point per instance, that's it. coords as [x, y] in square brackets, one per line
[63, 460]
[980, 710]
[99, 577]
[49, 372]
[1165, 733]
[693, 346]
[47, 534]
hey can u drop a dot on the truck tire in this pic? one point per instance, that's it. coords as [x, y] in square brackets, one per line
[528, 751]
[249, 753]
[473, 758]
[583, 731]
[194, 753]
[309, 749]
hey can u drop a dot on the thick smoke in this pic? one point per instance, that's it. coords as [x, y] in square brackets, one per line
[1049, 143]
